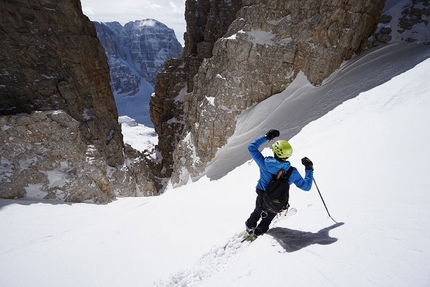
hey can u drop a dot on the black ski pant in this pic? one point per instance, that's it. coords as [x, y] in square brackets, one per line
[259, 213]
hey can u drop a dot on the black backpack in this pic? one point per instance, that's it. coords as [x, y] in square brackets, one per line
[275, 198]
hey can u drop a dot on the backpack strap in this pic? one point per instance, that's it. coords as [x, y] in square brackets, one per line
[280, 172]
[286, 175]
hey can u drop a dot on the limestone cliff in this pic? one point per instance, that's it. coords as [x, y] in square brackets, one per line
[59, 124]
[51, 59]
[43, 156]
[264, 49]
[207, 21]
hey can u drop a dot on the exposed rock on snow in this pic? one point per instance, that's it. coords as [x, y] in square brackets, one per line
[406, 20]
[44, 156]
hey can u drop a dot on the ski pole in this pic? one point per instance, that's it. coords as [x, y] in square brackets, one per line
[316, 185]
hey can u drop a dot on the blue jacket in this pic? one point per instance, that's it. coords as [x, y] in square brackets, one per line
[270, 166]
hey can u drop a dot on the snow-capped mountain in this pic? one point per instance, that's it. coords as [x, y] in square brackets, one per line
[136, 54]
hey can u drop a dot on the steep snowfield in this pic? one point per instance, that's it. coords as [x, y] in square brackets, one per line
[302, 103]
[137, 135]
[370, 155]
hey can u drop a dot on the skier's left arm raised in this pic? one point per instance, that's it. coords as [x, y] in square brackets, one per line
[299, 181]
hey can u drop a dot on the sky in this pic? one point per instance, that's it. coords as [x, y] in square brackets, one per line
[168, 12]
[370, 155]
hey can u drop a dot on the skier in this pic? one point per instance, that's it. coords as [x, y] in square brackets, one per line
[269, 166]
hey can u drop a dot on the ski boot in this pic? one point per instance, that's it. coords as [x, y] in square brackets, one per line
[249, 234]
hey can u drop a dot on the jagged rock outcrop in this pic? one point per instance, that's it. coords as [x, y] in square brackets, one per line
[44, 156]
[51, 59]
[264, 49]
[207, 21]
[59, 124]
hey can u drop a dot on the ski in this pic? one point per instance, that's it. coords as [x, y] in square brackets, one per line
[245, 239]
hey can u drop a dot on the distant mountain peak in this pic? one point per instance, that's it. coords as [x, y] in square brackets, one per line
[136, 54]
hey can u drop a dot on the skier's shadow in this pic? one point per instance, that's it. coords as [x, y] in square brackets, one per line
[294, 240]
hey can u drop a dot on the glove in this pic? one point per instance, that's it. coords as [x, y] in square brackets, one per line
[307, 163]
[272, 134]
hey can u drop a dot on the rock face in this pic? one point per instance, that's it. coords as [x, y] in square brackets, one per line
[51, 59]
[264, 49]
[207, 21]
[59, 124]
[136, 54]
[43, 156]
[41, 146]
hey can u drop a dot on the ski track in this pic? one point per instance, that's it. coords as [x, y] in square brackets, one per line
[217, 259]
[211, 263]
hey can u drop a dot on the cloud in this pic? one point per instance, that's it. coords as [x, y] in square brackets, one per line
[154, 6]
[175, 8]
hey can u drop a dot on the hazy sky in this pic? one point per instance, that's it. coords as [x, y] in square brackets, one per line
[169, 12]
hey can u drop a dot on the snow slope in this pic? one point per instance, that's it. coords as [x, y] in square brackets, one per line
[302, 103]
[137, 135]
[370, 155]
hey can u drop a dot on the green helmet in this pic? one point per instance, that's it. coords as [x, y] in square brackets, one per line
[282, 149]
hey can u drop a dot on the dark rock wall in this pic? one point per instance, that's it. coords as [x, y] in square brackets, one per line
[207, 21]
[51, 59]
